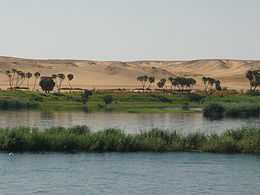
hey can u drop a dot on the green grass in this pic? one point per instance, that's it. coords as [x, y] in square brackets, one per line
[81, 139]
[124, 101]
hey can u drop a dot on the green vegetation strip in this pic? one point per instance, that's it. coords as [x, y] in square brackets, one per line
[81, 139]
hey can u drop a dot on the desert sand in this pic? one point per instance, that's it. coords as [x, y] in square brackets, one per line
[116, 74]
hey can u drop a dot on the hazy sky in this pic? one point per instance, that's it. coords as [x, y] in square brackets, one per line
[130, 29]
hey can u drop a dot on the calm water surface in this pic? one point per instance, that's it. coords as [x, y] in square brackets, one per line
[129, 174]
[127, 121]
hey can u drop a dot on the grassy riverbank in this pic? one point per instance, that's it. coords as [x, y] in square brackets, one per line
[81, 139]
[124, 101]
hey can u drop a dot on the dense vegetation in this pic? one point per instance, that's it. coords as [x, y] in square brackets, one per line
[125, 101]
[218, 110]
[80, 138]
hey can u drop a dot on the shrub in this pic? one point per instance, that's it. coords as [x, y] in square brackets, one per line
[242, 110]
[214, 111]
[195, 97]
[108, 99]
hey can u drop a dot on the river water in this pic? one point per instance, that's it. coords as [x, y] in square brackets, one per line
[129, 122]
[129, 174]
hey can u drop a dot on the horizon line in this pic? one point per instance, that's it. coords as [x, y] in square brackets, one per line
[136, 60]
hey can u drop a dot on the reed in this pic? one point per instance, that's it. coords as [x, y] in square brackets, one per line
[81, 139]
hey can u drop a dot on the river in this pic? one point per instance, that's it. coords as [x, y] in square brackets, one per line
[129, 122]
[129, 174]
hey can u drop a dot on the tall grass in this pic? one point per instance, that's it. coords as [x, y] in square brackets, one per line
[246, 140]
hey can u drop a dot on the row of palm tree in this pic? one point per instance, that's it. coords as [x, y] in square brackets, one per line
[180, 83]
[16, 79]
[210, 83]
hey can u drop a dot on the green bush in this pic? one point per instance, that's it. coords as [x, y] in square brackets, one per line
[17, 104]
[108, 99]
[214, 110]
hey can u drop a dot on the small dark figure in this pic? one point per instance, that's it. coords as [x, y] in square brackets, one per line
[85, 97]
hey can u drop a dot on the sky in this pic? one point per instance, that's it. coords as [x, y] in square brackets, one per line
[130, 29]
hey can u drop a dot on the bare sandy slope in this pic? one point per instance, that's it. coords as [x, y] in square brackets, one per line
[115, 74]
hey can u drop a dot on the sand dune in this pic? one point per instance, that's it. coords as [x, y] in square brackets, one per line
[116, 74]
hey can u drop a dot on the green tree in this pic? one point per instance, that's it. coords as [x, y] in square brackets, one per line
[108, 99]
[47, 84]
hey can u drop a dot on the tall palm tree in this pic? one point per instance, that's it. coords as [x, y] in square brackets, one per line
[61, 77]
[151, 80]
[161, 83]
[205, 81]
[36, 78]
[143, 79]
[250, 77]
[28, 75]
[21, 77]
[70, 77]
[9, 74]
[218, 85]
[14, 71]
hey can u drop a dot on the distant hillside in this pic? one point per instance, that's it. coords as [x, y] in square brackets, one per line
[116, 74]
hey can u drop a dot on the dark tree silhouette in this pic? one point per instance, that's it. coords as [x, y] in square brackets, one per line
[61, 77]
[85, 97]
[254, 79]
[151, 80]
[47, 84]
[143, 79]
[218, 85]
[108, 99]
[161, 83]
[9, 75]
[28, 76]
[20, 77]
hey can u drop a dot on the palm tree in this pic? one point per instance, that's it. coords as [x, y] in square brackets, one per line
[14, 71]
[61, 77]
[161, 83]
[36, 76]
[218, 85]
[143, 79]
[151, 81]
[70, 77]
[9, 74]
[28, 75]
[205, 81]
[211, 82]
[20, 77]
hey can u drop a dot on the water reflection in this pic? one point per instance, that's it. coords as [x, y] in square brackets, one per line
[130, 122]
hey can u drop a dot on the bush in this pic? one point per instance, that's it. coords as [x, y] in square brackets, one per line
[242, 110]
[108, 99]
[17, 104]
[195, 97]
[214, 111]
